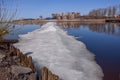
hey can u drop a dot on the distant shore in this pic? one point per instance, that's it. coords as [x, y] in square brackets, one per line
[43, 21]
[37, 21]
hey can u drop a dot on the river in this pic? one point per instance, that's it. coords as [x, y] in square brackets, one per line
[101, 39]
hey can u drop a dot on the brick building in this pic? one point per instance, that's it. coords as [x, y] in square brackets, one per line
[68, 16]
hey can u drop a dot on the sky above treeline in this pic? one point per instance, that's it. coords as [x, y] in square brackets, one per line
[36, 8]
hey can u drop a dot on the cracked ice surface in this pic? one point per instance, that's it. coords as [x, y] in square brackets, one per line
[61, 53]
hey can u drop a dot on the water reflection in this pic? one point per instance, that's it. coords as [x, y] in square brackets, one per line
[105, 47]
[103, 40]
[110, 28]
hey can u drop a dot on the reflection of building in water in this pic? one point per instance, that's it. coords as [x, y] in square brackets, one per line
[68, 16]
[69, 24]
[101, 28]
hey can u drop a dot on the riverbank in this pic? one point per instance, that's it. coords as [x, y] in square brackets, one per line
[14, 65]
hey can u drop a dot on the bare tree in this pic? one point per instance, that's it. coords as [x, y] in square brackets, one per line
[118, 9]
[104, 12]
[114, 9]
[109, 11]
[6, 16]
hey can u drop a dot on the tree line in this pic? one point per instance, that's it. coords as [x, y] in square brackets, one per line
[108, 11]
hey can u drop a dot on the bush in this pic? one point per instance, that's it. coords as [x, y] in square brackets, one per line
[6, 17]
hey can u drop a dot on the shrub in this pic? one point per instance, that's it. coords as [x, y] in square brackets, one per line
[6, 17]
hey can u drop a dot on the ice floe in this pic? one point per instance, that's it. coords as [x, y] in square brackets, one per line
[61, 53]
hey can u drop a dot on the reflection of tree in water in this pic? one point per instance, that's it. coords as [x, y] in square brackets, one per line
[102, 28]
[118, 25]
[110, 28]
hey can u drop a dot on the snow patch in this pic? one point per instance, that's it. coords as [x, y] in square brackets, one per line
[61, 53]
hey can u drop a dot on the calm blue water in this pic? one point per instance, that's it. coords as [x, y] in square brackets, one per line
[20, 29]
[101, 39]
[104, 41]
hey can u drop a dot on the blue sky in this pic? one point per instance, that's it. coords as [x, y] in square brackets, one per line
[35, 8]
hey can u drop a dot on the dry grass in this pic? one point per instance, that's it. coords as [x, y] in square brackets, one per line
[6, 17]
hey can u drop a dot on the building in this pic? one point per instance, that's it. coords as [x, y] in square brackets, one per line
[67, 16]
